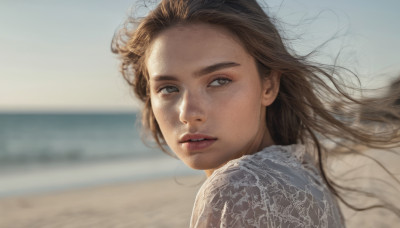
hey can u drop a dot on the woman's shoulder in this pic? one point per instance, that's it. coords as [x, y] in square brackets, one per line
[274, 186]
[285, 165]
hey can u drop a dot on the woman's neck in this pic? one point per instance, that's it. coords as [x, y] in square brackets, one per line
[261, 140]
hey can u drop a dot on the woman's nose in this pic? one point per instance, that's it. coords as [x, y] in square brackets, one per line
[192, 109]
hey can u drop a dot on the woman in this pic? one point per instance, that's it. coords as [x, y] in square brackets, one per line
[222, 90]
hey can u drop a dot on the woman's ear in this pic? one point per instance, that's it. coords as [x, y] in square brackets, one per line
[270, 88]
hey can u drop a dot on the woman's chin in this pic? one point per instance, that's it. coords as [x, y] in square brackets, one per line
[201, 165]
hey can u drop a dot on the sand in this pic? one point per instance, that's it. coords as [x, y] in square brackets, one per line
[157, 203]
[154, 203]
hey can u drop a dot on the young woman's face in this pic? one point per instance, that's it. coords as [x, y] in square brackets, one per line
[207, 96]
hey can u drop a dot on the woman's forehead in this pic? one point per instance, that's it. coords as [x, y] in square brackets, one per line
[198, 44]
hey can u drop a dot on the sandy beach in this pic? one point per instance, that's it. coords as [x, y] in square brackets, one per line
[156, 203]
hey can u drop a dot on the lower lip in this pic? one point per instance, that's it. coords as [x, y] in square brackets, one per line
[200, 145]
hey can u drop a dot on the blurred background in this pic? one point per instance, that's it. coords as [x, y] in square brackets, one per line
[68, 119]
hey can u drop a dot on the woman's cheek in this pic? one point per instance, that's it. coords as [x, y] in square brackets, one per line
[165, 112]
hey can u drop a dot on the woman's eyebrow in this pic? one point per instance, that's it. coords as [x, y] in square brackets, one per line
[163, 78]
[201, 72]
[215, 67]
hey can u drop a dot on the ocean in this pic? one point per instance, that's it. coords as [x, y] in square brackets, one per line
[41, 153]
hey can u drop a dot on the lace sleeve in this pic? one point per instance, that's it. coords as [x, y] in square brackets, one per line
[227, 205]
[243, 194]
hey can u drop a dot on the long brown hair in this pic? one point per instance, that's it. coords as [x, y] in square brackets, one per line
[302, 111]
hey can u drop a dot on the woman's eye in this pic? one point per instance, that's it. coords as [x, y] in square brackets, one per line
[168, 90]
[220, 82]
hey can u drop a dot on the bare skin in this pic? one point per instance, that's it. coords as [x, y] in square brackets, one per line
[207, 95]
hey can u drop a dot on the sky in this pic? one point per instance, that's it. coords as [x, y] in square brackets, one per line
[55, 55]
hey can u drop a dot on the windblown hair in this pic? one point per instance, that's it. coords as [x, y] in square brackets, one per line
[302, 110]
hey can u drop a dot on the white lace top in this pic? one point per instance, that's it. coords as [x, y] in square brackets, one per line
[276, 187]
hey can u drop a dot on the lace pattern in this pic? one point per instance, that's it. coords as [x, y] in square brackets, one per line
[276, 187]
